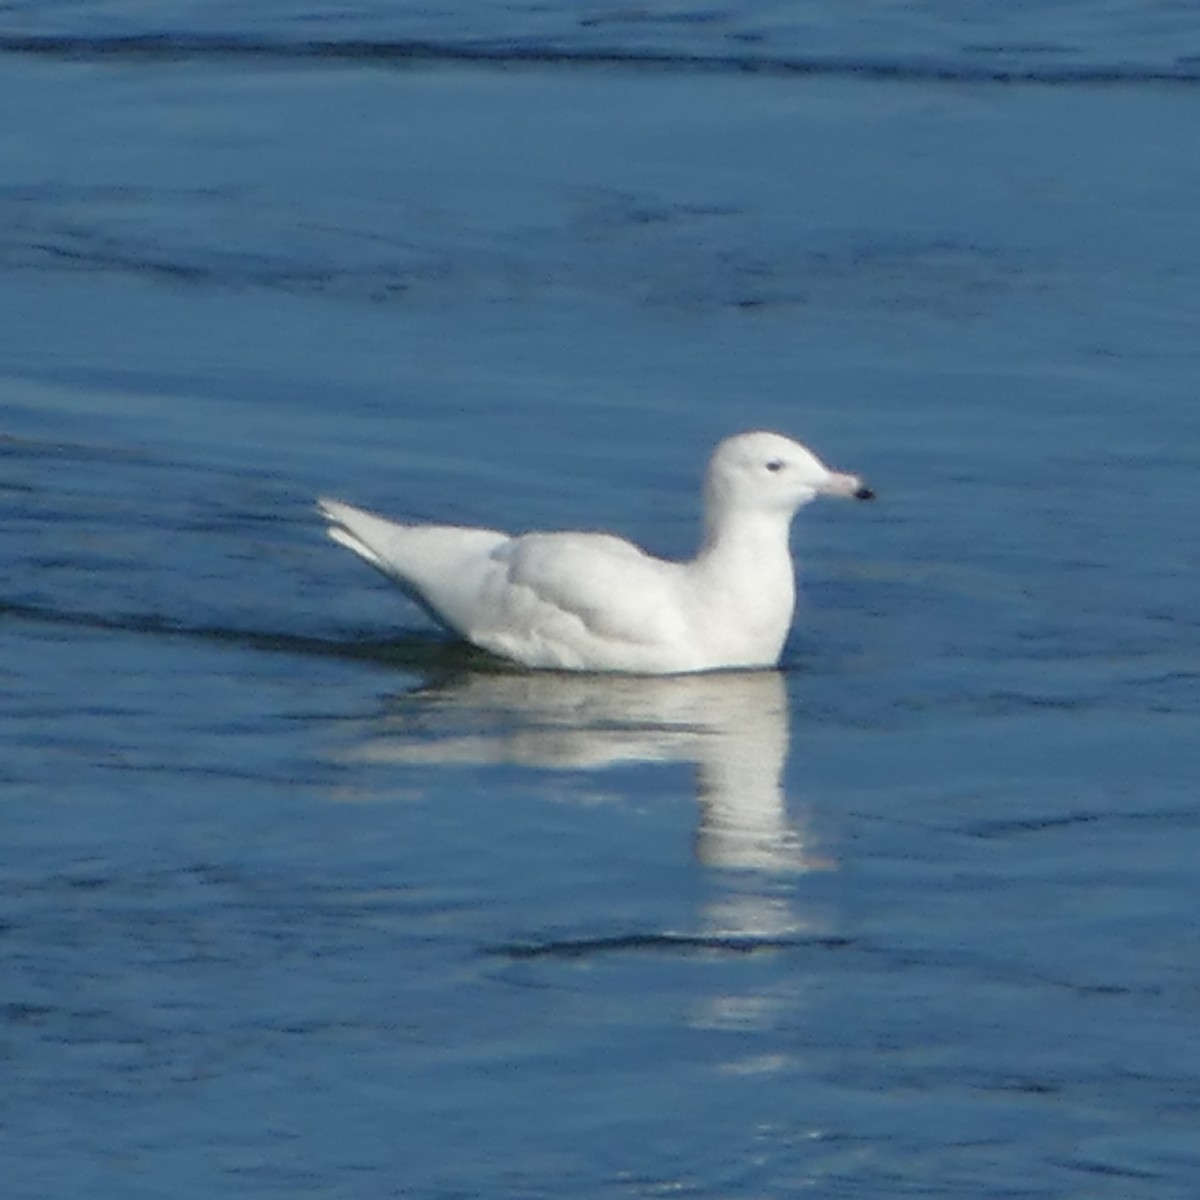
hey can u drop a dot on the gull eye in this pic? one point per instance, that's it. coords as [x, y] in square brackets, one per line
[776, 464]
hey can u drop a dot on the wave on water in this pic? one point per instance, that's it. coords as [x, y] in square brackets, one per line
[429, 654]
[668, 943]
[977, 63]
[608, 241]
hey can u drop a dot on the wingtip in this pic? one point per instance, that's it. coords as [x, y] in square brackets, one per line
[327, 506]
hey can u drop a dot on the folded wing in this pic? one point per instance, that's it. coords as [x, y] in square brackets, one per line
[444, 568]
[559, 600]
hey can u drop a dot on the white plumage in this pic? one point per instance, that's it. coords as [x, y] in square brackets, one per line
[594, 602]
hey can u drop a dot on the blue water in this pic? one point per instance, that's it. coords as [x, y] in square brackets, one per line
[299, 898]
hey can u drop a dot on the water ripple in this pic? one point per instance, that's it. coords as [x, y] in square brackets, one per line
[670, 943]
[996, 64]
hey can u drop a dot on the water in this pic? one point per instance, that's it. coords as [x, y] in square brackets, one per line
[300, 899]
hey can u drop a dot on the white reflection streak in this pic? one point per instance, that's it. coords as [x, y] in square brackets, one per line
[732, 725]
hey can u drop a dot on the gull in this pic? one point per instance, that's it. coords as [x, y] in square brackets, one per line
[576, 601]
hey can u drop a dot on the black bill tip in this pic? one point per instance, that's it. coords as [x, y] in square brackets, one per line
[864, 493]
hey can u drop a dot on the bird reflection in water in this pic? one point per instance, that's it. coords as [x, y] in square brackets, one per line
[732, 725]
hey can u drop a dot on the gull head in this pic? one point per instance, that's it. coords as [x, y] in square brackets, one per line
[770, 473]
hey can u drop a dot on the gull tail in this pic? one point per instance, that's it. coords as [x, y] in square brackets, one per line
[351, 527]
[443, 568]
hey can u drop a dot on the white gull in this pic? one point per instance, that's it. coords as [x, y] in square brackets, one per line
[594, 602]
